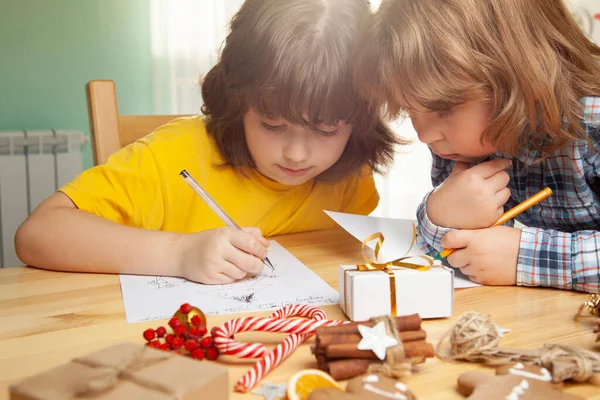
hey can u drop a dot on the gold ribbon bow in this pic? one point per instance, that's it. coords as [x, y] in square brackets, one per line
[592, 306]
[373, 265]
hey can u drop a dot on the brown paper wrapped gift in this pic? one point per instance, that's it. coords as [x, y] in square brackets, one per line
[127, 371]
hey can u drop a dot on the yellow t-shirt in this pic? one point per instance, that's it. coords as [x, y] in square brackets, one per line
[140, 186]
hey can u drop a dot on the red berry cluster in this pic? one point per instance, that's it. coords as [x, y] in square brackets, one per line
[187, 338]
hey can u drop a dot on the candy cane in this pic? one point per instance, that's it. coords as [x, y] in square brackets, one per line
[300, 330]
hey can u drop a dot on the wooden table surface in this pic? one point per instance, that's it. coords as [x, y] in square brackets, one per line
[47, 318]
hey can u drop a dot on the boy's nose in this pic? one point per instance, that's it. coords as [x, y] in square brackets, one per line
[428, 133]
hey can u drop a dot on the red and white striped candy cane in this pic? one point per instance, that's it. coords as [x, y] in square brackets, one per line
[300, 330]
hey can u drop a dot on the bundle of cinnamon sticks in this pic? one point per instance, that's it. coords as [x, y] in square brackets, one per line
[337, 354]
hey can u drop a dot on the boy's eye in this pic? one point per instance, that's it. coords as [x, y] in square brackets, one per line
[272, 127]
[443, 114]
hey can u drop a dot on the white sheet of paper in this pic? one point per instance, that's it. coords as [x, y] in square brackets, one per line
[397, 233]
[150, 298]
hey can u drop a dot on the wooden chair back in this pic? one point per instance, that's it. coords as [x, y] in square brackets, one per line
[110, 131]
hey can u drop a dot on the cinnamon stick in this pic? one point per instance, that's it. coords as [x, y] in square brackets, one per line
[346, 369]
[419, 348]
[403, 323]
[323, 341]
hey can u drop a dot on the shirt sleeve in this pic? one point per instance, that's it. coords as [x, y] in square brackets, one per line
[126, 189]
[361, 194]
[565, 260]
[429, 235]
[559, 259]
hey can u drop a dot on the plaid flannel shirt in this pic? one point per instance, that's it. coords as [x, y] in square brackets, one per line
[560, 243]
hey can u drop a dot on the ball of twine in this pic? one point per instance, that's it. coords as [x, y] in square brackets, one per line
[471, 335]
[474, 337]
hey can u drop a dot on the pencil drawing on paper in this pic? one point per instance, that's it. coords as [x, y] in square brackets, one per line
[245, 291]
[154, 297]
[161, 282]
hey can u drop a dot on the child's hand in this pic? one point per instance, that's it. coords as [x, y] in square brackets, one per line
[220, 256]
[488, 256]
[470, 198]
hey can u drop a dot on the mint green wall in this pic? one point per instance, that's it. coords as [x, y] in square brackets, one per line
[49, 49]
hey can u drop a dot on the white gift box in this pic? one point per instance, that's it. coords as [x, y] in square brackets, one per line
[367, 294]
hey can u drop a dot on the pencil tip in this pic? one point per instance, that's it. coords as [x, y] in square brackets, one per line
[268, 262]
[438, 257]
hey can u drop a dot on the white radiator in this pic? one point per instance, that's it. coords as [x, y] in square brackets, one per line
[33, 165]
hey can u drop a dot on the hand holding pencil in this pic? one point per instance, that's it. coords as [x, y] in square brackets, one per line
[513, 212]
[215, 207]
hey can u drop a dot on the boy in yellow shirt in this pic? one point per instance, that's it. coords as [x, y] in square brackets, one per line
[283, 137]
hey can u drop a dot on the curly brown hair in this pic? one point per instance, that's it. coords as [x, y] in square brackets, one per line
[289, 58]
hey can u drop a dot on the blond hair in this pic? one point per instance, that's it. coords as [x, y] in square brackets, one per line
[527, 57]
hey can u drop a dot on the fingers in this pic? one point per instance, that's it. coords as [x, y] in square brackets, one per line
[457, 239]
[458, 259]
[245, 252]
[459, 166]
[219, 279]
[232, 271]
[245, 262]
[503, 196]
[228, 273]
[256, 232]
[469, 271]
[499, 180]
[247, 242]
[490, 168]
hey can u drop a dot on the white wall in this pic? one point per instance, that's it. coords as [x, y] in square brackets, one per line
[587, 14]
[408, 180]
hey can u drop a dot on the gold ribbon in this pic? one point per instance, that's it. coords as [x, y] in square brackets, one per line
[387, 267]
[592, 306]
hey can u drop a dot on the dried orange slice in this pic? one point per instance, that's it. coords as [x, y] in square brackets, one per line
[302, 383]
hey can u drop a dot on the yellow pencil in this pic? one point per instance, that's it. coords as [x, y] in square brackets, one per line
[510, 214]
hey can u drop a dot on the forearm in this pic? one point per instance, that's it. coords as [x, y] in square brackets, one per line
[68, 239]
[559, 259]
[429, 235]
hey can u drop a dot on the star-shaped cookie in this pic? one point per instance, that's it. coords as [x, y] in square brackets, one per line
[271, 391]
[375, 339]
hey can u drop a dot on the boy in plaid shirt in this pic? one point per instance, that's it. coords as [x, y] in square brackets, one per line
[507, 97]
